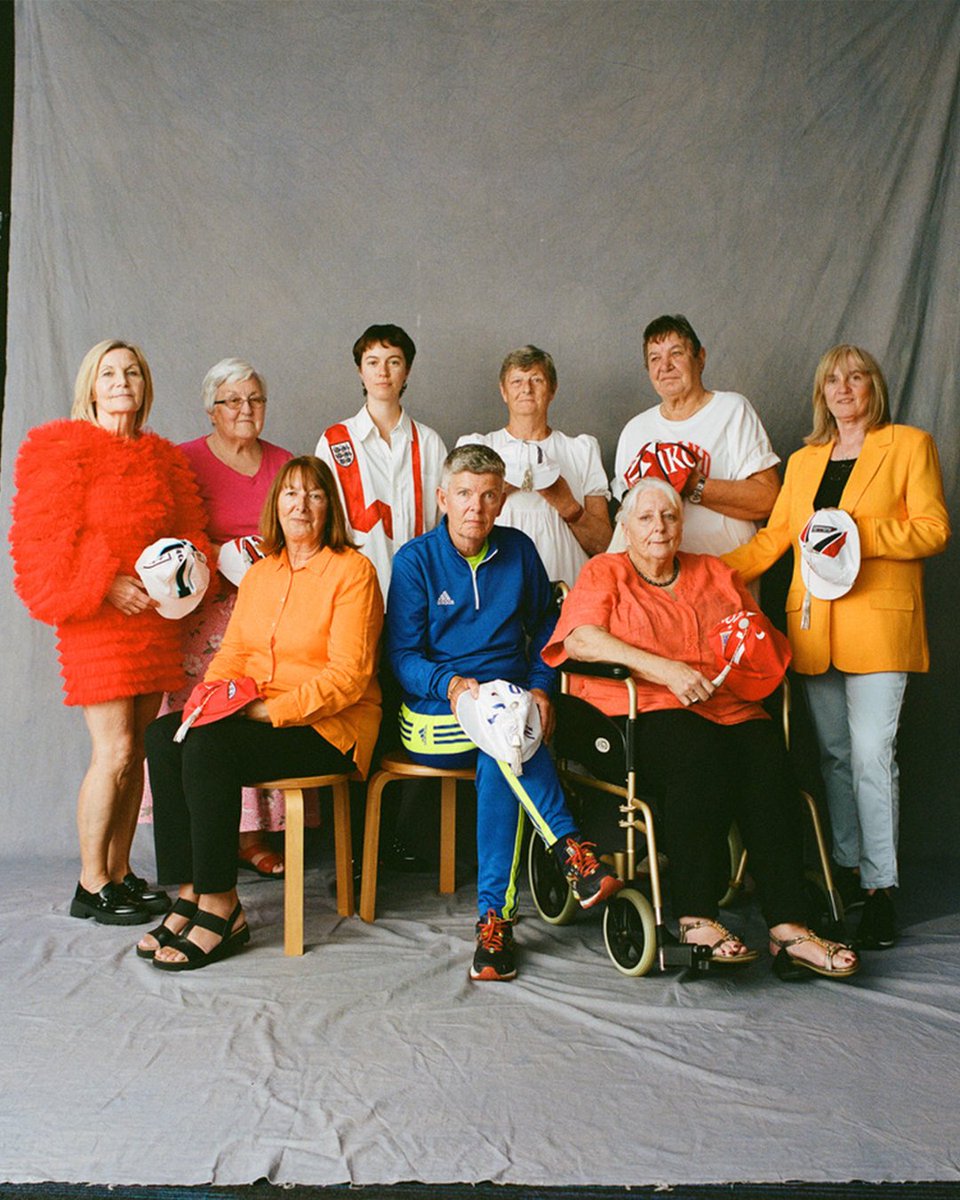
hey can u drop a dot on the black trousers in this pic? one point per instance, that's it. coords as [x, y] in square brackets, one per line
[197, 783]
[706, 776]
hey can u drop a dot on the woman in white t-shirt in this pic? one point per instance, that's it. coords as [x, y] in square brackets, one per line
[556, 488]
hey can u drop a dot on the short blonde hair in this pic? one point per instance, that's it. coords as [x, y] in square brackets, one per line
[824, 426]
[84, 406]
[317, 474]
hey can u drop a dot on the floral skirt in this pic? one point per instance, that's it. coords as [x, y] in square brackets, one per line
[260, 810]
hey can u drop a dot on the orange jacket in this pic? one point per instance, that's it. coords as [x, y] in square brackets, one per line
[310, 639]
[895, 495]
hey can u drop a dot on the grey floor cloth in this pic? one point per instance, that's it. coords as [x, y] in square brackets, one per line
[373, 1059]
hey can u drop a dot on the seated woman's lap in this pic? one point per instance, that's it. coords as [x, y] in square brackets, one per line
[196, 785]
[706, 776]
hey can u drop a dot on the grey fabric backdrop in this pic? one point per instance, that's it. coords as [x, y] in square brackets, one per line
[267, 178]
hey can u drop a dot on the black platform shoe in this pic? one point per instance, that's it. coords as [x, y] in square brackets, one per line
[112, 905]
[154, 900]
[878, 925]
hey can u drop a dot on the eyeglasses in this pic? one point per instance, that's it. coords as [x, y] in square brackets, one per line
[235, 403]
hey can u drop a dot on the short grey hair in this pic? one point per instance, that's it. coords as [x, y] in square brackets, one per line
[228, 370]
[649, 484]
[473, 457]
[527, 357]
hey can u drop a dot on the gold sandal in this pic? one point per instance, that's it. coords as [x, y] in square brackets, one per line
[746, 956]
[789, 966]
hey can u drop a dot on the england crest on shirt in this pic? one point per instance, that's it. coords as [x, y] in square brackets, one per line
[343, 454]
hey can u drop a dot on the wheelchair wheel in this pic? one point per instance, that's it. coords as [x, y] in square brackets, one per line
[552, 895]
[630, 932]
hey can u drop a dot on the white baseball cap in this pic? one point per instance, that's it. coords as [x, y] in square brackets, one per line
[528, 466]
[175, 573]
[503, 721]
[829, 553]
[238, 556]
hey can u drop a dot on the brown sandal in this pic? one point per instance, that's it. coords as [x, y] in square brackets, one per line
[789, 967]
[262, 859]
[747, 956]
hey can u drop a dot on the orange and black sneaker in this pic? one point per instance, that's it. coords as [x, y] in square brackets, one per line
[493, 957]
[592, 880]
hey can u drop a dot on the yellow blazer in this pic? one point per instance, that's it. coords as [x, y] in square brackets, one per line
[895, 495]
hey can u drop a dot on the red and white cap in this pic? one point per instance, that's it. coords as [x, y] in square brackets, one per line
[215, 700]
[528, 466]
[829, 553]
[503, 721]
[671, 461]
[752, 654]
[175, 574]
[238, 556]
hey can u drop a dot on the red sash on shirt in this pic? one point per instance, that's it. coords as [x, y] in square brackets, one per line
[362, 516]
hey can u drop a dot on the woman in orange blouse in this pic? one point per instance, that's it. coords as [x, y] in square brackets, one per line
[710, 757]
[306, 628]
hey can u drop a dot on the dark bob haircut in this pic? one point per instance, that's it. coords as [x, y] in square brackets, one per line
[657, 330]
[317, 474]
[385, 335]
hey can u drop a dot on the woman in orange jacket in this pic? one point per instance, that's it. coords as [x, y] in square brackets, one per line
[855, 652]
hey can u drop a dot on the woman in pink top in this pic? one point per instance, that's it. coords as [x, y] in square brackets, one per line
[234, 467]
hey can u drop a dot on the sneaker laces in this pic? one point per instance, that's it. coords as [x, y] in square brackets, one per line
[491, 931]
[581, 857]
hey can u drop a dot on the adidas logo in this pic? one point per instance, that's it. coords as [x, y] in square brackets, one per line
[444, 598]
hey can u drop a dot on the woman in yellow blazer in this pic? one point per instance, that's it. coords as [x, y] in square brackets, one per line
[855, 655]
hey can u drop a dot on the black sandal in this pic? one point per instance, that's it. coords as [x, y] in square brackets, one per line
[195, 956]
[163, 935]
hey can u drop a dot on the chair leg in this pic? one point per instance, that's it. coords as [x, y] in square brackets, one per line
[448, 836]
[293, 873]
[343, 849]
[371, 845]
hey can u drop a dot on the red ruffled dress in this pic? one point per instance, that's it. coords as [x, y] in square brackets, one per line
[87, 503]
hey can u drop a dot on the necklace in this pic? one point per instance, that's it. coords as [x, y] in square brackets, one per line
[667, 582]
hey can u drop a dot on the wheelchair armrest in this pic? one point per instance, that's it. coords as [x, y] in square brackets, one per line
[603, 670]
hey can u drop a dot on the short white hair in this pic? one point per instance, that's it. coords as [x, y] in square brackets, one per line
[649, 484]
[228, 370]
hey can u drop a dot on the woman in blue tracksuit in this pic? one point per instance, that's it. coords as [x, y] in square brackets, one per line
[470, 602]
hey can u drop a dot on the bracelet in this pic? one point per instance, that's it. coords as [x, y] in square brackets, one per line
[696, 494]
[572, 520]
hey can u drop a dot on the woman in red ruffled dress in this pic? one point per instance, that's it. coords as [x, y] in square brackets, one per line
[92, 492]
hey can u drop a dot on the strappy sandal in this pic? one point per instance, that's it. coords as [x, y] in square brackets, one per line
[747, 955]
[790, 968]
[195, 956]
[262, 860]
[163, 935]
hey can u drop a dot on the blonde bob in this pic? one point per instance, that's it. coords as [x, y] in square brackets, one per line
[84, 406]
[317, 475]
[878, 413]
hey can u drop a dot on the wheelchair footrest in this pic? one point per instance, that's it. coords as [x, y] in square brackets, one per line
[696, 958]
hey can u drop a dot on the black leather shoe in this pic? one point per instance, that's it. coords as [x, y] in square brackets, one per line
[878, 925]
[112, 905]
[154, 900]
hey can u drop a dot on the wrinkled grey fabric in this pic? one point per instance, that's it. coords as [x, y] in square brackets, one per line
[373, 1059]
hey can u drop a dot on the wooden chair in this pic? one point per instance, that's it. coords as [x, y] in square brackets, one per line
[293, 850]
[395, 766]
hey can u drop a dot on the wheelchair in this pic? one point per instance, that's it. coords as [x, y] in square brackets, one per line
[597, 758]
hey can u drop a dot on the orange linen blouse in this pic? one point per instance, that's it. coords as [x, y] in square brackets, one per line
[310, 638]
[610, 594]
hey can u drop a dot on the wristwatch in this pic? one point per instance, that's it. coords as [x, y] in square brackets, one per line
[697, 494]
